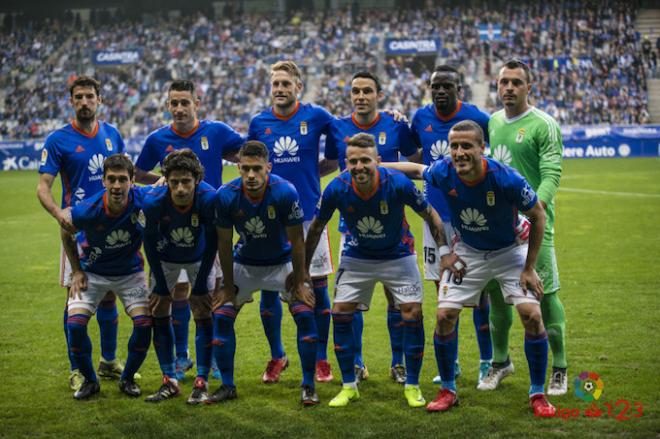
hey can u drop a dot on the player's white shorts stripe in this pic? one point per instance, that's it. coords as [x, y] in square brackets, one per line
[174, 273]
[131, 290]
[65, 268]
[356, 279]
[251, 278]
[431, 260]
[322, 260]
[503, 265]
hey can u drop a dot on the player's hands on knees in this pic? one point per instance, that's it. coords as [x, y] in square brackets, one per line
[63, 218]
[78, 284]
[530, 282]
[304, 293]
[454, 264]
[224, 295]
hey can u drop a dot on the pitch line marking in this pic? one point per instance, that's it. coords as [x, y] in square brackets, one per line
[596, 192]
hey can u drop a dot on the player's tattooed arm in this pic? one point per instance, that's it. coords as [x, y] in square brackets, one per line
[45, 195]
[78, 277]
[227, 292]
[529, 279]
[300, 275]
[414, 171]
[327, 166]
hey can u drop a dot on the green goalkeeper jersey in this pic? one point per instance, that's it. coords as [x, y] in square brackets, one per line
[531, 143]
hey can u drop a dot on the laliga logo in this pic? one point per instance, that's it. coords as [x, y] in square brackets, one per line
[588, 386]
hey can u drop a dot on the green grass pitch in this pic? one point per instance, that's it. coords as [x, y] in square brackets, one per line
[608, 249]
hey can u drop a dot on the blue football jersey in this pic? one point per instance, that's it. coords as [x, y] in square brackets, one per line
[110, 243]
[78, 158]
[180, 235]
[210, 140]
[431, 131]
[376, 224]
[392, 138]
[262, 223]
[483, 213]
[293, 143]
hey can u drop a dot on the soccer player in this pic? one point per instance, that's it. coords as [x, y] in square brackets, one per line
[529, 140]
[180, 236]
[430, 126]
[291, 131]
[210, 141]
[76, 152]
[266, 212]
[394, 138]
[484, 198]
[371, 200]
[110, 260]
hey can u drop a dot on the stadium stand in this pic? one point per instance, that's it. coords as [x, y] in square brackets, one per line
[591, 64]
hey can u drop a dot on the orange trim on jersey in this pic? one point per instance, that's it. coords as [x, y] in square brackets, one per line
[107, 210]
[90, 135]
[373, 191]
[365, 127]
[479, 179]
[187, 133]
[453, 114]
[288, 116]
[256, 200]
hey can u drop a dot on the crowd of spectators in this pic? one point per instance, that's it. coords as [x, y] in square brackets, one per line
[588, 61]
[590, 65]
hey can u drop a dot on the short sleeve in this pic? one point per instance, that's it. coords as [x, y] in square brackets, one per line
[51, 157]
[223, 209]
[407, 143]
[412, 196]
[148, 159]
[290, 207]
[327, 204]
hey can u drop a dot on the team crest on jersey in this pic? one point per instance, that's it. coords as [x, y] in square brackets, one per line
[382, 138]
[303, 128]
[44, 156]
[490, 198]
[520, 136]
[271, 212]
[108, 144]
[194, 220]
[205, 143]
[384, 210]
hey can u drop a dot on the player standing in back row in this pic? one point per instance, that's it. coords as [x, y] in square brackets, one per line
[529, 140]
[76, 151]
[211, 141]
[393, 138]
[431, 125]
[291, 131]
